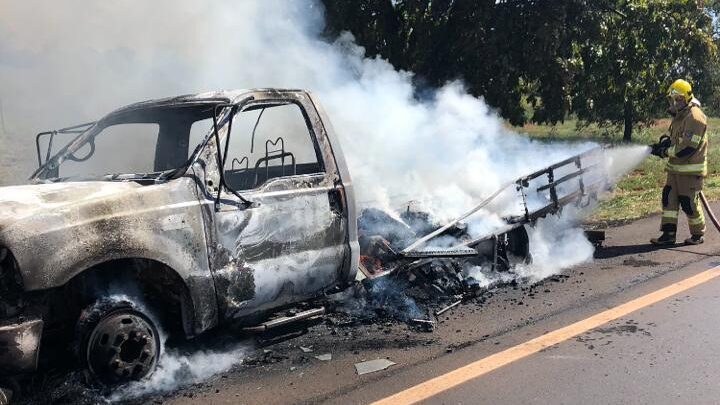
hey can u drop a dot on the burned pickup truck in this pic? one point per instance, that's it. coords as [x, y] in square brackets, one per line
[184, 213]
[210, 208]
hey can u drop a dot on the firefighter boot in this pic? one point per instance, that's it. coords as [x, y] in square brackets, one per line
[694, 240]
[667, 238]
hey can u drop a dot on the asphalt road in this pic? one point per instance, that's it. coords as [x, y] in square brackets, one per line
[665, 354]
[662, 353]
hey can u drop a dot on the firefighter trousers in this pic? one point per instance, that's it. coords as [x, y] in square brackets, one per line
[682, 191]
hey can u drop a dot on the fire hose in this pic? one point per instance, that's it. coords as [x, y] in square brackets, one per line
[709, 211]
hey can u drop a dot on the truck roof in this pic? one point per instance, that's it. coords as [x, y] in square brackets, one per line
[210, 97]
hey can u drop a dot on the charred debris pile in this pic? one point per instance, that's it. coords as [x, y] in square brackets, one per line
[415, 269]
[414, 288]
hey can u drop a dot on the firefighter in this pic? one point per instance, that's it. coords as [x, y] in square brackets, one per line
[685, 146]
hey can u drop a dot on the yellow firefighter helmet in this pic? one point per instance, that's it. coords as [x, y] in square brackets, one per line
[680, 87]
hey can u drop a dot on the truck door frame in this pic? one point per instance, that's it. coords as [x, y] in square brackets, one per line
[327, 180]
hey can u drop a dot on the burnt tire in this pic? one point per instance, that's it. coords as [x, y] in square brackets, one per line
[117, 342]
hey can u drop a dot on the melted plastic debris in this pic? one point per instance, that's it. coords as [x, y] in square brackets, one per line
[324, 357]
[373, 366]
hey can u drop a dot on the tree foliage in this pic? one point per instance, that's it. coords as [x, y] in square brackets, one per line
[606, 61]
[628, 58]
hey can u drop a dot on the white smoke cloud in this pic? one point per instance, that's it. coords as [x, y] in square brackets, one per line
[176, 369]
[70, 62]
[554, 245]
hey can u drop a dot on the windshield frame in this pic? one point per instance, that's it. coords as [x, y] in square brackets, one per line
[87, 136]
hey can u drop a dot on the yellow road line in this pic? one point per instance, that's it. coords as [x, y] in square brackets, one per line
[473, 370]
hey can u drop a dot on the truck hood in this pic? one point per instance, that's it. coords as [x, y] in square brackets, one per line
[20, 202]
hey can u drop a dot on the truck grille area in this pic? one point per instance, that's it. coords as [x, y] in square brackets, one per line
[10, 285]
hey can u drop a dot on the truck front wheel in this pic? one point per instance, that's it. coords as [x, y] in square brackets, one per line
[117, 342]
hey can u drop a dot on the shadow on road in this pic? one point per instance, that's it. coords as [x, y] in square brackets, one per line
[615, 251]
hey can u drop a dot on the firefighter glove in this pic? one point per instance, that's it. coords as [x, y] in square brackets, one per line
[658, 150]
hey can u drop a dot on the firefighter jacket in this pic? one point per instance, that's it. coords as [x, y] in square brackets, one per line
[689, 144]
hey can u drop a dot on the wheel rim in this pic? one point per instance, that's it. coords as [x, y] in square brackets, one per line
[123, 346]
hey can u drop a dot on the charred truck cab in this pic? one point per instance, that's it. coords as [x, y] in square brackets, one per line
[179, 213]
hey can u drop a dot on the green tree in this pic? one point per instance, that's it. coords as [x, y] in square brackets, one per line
[501, 50]
[627, 58]
[376, 25]
[607, 61]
